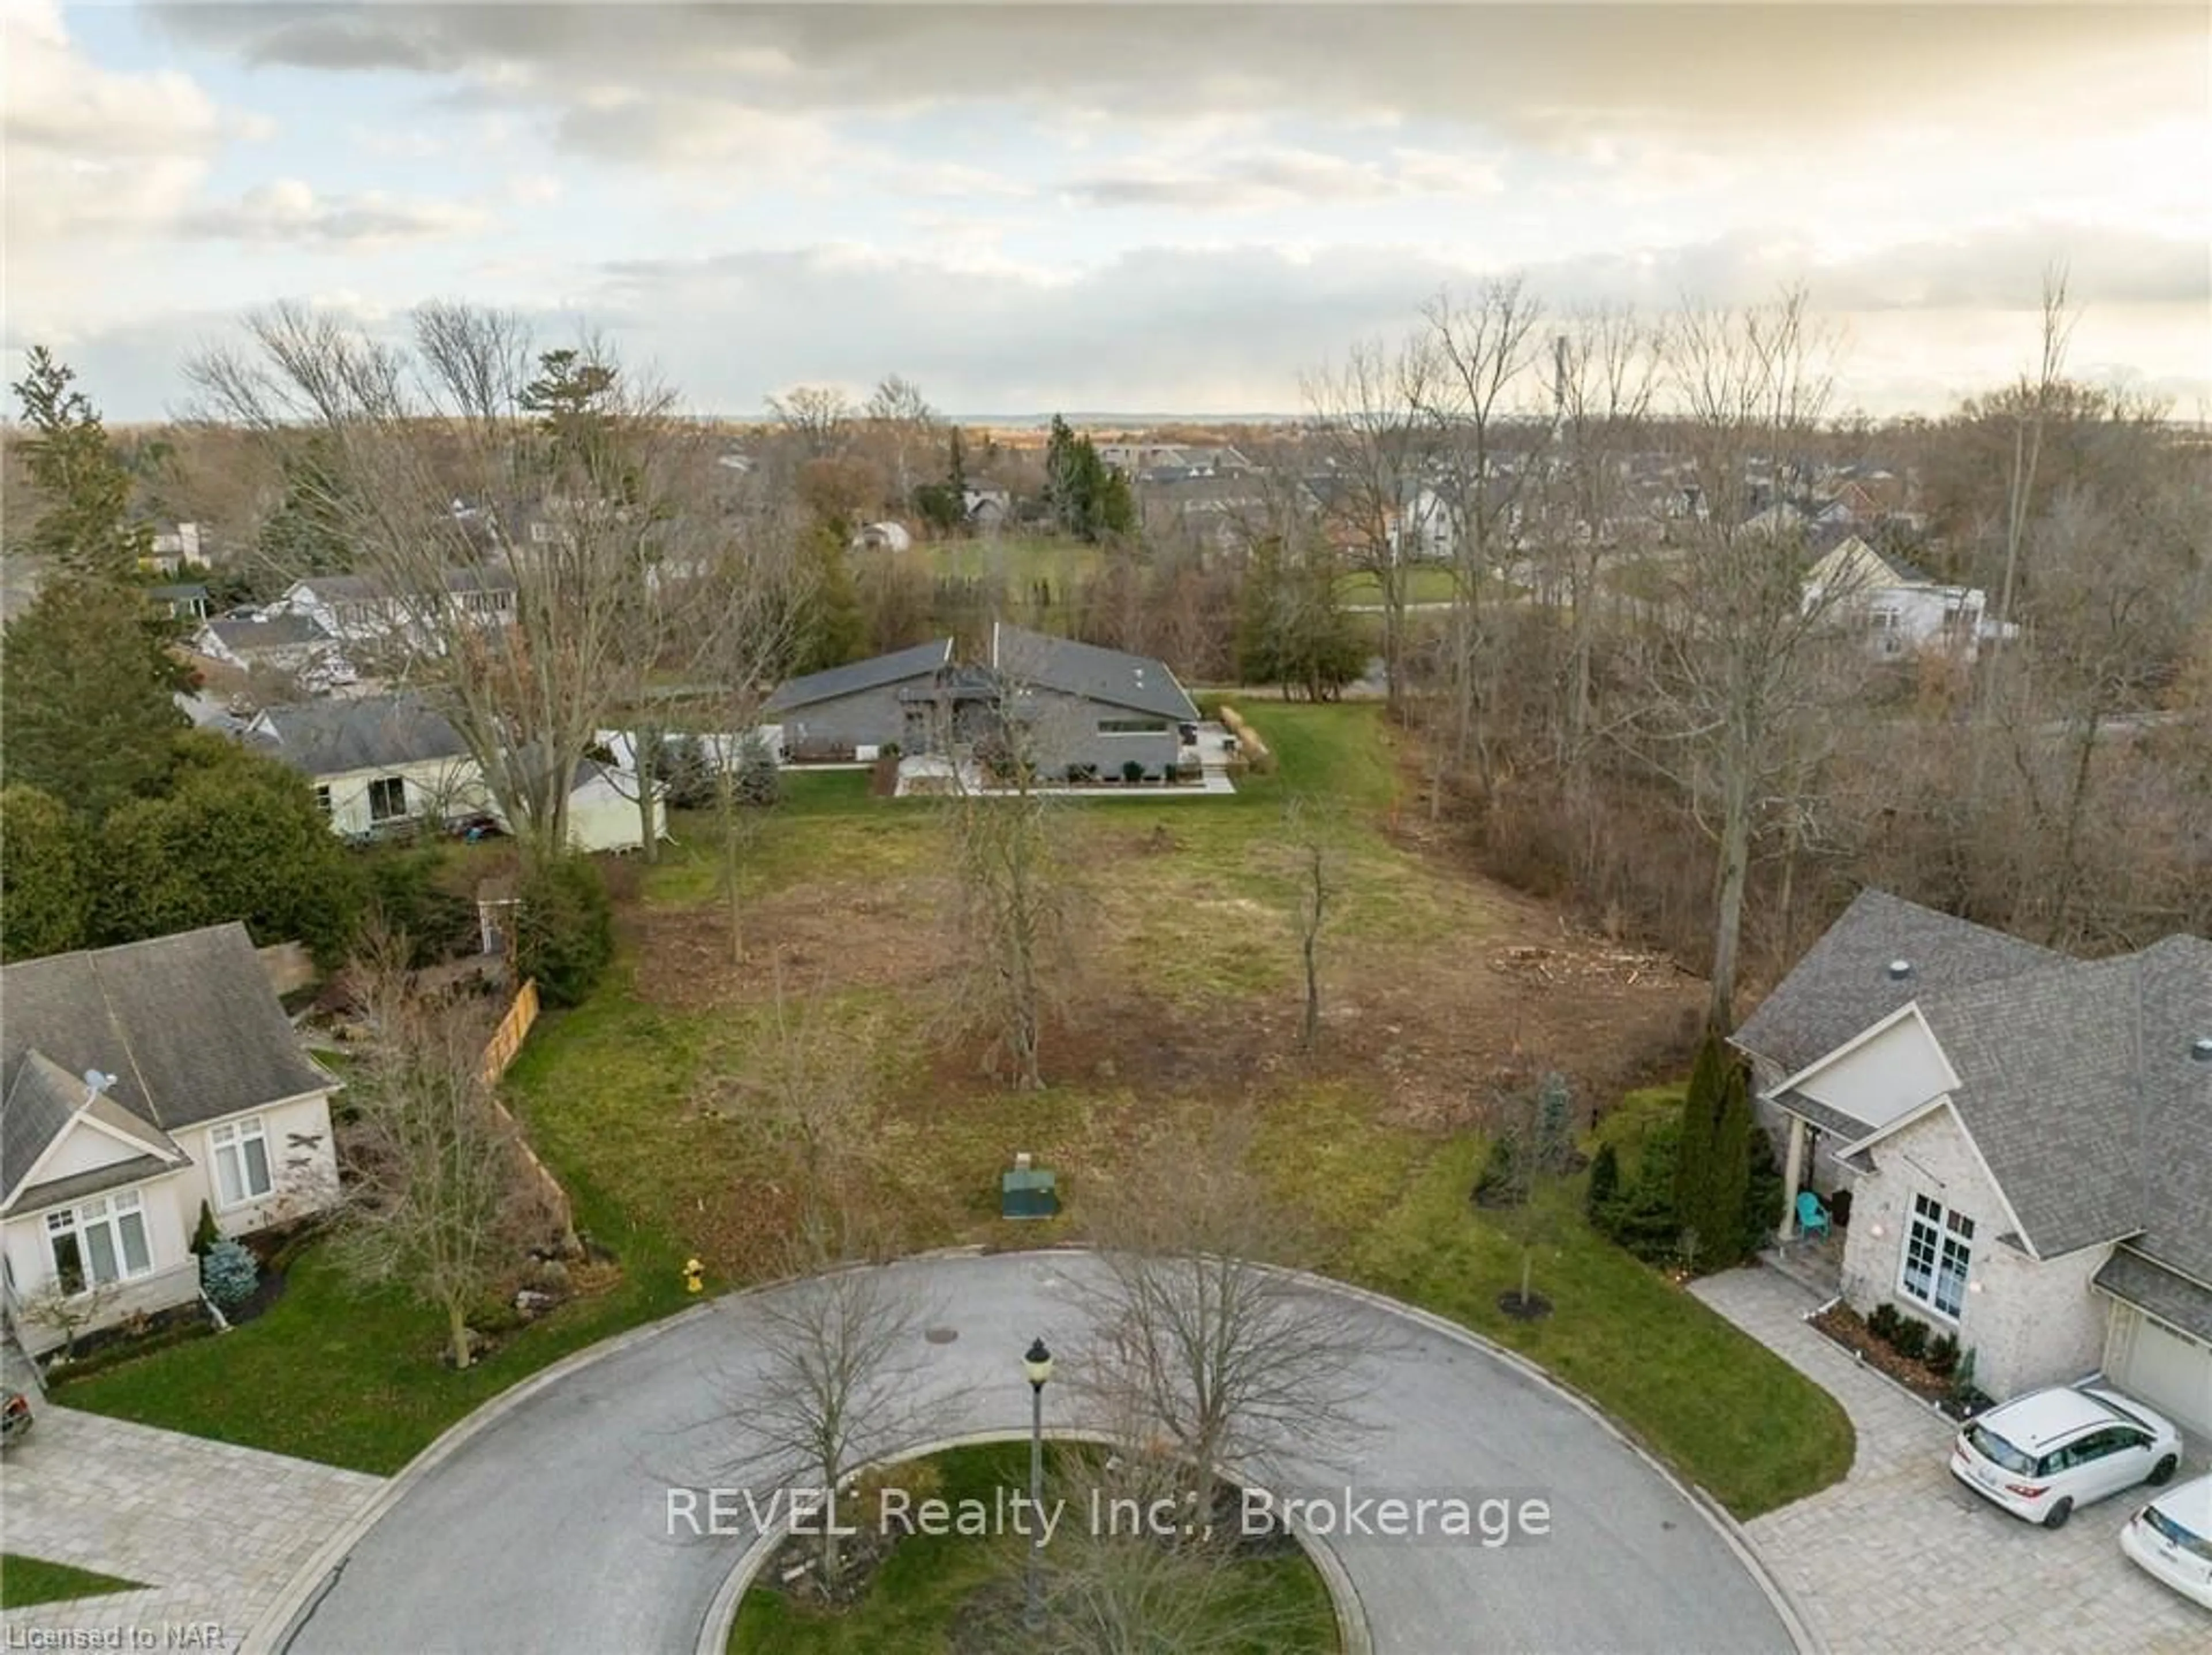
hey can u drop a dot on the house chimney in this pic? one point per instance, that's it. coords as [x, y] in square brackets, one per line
[1899, 969]
[2200, 1049]
[1022, 1161]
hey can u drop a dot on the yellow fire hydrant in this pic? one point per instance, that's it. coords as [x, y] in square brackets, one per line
[695, 1276]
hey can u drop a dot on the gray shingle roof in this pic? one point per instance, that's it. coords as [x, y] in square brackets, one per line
[187, 1024]
[2076, 1081]
[1843, 985]
[286, 631]
[920, 661]
[2172, 1299]
[1136, 682]
[330, 738]
[56, 1192]
[2047, 1089]
[1845, 1128]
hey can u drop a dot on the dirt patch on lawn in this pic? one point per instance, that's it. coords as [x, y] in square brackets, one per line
[827, 934]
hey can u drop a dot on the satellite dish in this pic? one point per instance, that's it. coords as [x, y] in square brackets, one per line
[97, 1081]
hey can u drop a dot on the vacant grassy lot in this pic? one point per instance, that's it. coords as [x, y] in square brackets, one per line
[917, 1596]
[1184, 996]
[25, 1581]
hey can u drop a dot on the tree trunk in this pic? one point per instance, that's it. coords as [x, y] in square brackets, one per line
[457, 1329]
[645, 745]
[1732, 875]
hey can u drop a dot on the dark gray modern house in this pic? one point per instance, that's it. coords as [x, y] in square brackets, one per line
[855, 711]
[1083, 705]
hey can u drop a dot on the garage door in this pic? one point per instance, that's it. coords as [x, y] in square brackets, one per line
[2172, 1373]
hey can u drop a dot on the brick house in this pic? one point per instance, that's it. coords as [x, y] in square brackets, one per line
[2027, 1138]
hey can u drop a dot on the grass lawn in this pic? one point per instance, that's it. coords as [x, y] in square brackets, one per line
[912, 1604]
[1189, 998]
[331, 1372]
[1423, 583]
[25, 1581]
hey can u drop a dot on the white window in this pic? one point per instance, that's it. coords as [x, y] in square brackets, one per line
[241, 1162]
[323, 800]
[387, 798]
[100, 1242]
[1938, 1248]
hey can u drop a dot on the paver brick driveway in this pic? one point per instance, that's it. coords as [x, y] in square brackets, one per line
[215, 1530]
[1898, 1556]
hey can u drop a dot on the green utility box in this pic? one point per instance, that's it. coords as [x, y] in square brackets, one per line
[1028, 1192]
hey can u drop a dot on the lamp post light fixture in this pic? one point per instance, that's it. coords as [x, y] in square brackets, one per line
[1037, 1363]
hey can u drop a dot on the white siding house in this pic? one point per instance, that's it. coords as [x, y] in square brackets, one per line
[381, 765]
[1902, 610]
[141, 1082]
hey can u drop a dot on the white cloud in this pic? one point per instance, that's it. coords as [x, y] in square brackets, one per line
[289, 212]
[1263, 179]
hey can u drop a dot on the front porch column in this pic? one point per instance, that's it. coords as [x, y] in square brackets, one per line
[1793, 1170]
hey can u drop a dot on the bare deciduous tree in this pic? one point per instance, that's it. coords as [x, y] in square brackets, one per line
[1014, 885]
[1367, 428]
[1198, 1339]
[1484, 346]
[1153, 1574]
[832, 1390]
[470, 464]
[1739, 654]
[819, 418]
[440, 1199]
[1311, 837]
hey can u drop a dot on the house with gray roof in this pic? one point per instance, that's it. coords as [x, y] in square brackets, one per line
[1082, 705]
[378, 764]
[2026, 1137]
[135, 1084]
[852, 712]
[384, 766]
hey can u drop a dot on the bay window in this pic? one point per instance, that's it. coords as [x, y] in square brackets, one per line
[99, 1242]
[241, 1162]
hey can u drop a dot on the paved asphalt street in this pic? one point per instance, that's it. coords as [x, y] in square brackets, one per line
[547, 1529]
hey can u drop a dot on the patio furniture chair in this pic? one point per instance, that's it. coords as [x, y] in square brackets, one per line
[1811, 1215]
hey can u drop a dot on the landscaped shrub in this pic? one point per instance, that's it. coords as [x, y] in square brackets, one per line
[1132, 772]
[757, 780]
[206, 1232]
[1882, 1322]
[564, 933]
[1943, 1353]
[229, 1274]
[1642, 1218]
[686, 776]
[405, 898]
[1604, 1187]
[1911, 1339]
[1500, 1183]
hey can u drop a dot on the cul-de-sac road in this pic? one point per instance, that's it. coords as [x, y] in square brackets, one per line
[546, 1527]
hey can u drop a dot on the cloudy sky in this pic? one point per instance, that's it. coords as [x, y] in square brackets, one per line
[1131, 207]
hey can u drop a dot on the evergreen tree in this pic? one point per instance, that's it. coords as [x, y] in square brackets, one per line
[45, 886]
[1604, 1187]
[1693, 1164]
[237, 837]
[1087, 498]
[85, 712]
[1293, 630]
[83, 528]
[834, 630]
[305, 534]
[1722, 1234]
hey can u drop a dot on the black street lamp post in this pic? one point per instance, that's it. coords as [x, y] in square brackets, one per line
[1037, 1363]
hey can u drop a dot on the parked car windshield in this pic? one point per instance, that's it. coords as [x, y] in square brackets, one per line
[1993, 1448]
[2195, 1544]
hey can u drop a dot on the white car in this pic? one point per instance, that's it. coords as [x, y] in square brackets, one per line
[2041, 1455]
[2172, 1537]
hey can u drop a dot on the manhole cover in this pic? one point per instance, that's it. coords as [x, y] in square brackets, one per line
[942, 1336]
